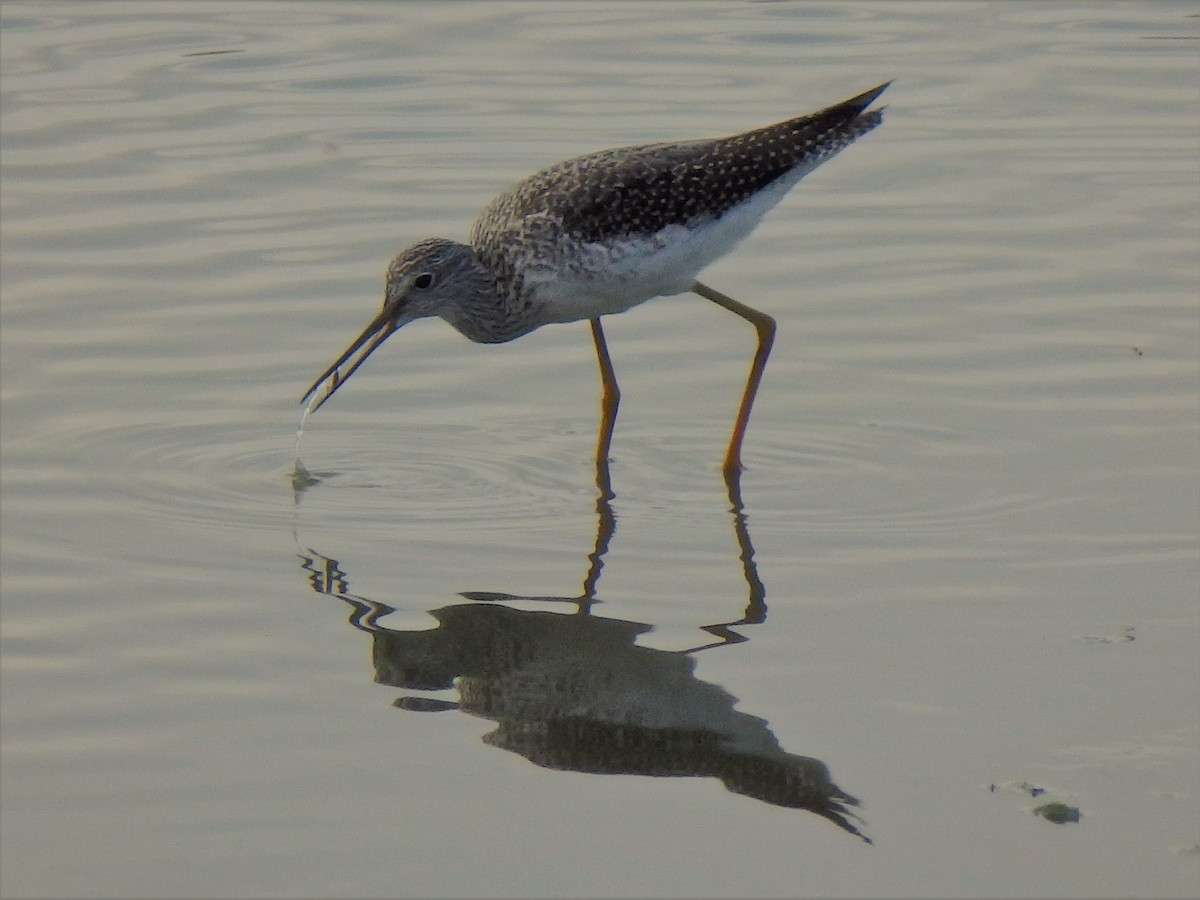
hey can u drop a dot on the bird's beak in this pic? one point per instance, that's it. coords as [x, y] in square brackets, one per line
[355, 355]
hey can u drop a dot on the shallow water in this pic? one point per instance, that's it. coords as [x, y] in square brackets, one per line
[963, 566]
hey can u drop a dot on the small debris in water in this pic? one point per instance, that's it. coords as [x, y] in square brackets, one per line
[1124, 636]
[1058, 813]
[1054, 811]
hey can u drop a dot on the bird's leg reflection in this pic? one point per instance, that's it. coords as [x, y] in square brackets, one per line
[606, 519]
[755, 612]
[756, 602]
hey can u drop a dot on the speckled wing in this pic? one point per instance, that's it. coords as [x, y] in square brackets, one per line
[637, 191]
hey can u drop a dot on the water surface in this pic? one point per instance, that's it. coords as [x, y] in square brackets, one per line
[962, 568]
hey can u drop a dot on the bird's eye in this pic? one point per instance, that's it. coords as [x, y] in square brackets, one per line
[423, 281]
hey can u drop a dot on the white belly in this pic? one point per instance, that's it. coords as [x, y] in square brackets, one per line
[610, 278]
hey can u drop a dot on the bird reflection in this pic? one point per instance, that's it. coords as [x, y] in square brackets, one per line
[575, 691]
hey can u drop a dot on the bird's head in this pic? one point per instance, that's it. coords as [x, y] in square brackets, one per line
[427, 279]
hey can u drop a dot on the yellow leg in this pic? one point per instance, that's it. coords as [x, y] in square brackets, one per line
[610, 399]
[765, 326]
[607, 524]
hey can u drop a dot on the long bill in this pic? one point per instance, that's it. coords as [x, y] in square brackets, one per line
[364, 345]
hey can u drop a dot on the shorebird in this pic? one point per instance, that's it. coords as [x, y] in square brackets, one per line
[600, 234]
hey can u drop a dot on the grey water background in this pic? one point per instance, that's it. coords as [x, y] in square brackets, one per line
[968, 546]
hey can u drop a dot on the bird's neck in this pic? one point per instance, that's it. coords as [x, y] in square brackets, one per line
[490, 309]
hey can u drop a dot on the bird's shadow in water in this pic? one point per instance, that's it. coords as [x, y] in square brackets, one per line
[574, 691]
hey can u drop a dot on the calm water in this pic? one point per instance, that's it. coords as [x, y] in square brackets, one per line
[965, 564]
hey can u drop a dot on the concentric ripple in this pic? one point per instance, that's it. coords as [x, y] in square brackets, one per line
[452, 473]
[239, 473]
